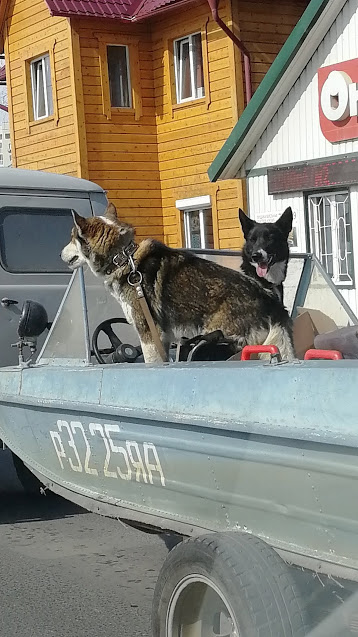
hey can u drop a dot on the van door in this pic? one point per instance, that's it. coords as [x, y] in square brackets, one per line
[33, 231]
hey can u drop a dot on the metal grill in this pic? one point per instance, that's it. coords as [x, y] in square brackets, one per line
[330, 229]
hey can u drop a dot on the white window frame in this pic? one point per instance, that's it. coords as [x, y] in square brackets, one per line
[187, 233]
[35, 84]
[178, 66]
[194, 204]
[314, 227]
[126, 47]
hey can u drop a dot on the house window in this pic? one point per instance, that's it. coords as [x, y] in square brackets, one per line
[197, 222]
[42, 102]
[330, 230]
[7, 135]
[1, 160]
[198, 229]
[188, 64]
[119, 76]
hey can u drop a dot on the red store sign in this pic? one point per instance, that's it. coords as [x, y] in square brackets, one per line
[338, 100]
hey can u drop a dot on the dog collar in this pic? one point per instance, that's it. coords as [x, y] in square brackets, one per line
[123, 258]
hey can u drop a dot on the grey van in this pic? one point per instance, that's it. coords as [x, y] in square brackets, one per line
[35, 223]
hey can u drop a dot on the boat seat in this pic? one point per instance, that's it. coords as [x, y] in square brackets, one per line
[344, 339]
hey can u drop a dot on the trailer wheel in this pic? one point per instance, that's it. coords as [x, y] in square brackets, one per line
[229, 585]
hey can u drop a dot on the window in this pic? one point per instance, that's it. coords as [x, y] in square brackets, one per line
[198, 229]
[197, 222]
[330, 230]
[42, 102]
[1, 160]
[188, 64]
[119, 76]
[7, 135]
[31, 239]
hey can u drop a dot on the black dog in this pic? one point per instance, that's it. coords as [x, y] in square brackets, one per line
[265, 253]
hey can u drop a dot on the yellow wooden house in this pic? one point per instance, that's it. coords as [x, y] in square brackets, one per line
[139, 96]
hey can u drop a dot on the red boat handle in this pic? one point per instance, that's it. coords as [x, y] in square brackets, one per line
[327, 354]
[258, 349]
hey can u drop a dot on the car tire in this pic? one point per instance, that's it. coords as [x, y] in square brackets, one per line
[226, 583]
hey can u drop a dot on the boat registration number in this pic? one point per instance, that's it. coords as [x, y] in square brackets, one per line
[129, 460]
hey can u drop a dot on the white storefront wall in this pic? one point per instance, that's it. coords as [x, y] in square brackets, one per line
[294, 135]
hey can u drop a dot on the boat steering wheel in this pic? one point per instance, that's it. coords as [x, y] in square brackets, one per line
[123, 352]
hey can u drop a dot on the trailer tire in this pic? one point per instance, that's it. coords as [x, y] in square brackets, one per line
[29, 482]
[236, 572]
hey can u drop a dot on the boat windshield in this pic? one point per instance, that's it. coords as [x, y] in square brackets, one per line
[86, 304]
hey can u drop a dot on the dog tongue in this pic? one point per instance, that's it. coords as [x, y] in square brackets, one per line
[262, 269]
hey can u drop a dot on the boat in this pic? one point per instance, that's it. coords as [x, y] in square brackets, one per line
[260, 448]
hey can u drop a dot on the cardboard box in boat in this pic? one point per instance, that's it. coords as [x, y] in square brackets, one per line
[308, 324]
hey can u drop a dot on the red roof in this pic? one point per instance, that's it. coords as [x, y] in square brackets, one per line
[148, 7]
[118, 9]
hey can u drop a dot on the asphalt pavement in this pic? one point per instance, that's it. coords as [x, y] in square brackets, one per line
[69, 573]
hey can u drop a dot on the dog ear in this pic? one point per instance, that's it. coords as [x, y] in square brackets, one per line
[80, 222]
[246, 223]
[111, 212]
[285, 221]
[126, 229]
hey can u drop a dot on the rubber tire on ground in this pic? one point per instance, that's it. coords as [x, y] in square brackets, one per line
[252, 577]
[29, 482]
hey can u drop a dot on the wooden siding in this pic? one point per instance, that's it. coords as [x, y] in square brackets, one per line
[189, 136]
[159, 152]
[47, 145]
[264, 27]
[122, 151]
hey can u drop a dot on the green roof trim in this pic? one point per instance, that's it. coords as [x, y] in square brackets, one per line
[267, 86]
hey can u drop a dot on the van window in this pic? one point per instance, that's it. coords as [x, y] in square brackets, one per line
[31, 239]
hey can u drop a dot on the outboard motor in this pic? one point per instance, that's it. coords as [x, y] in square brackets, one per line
[33, 322]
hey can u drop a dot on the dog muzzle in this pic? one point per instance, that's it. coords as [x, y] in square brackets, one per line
[261, 264]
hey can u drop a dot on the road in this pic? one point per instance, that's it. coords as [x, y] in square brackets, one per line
[66, 572]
